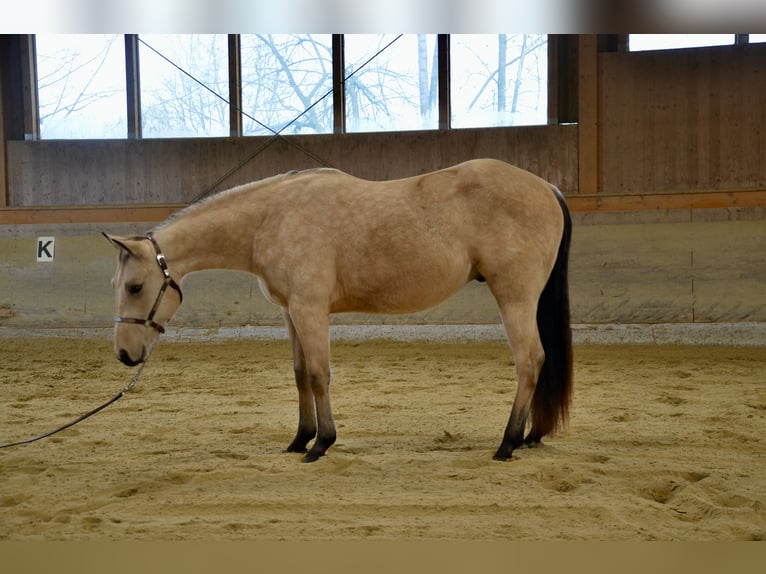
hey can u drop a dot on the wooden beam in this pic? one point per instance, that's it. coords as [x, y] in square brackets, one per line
[445, 102]
[133, 86]
[563, 82]
[601, 202]
[663, 201]
[29, 81]
[3, 151]
[588, 104]
[554, 78]
[338, 84]
[235, 86]
[112, 214]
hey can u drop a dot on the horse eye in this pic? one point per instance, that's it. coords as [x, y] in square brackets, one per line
[133, 289]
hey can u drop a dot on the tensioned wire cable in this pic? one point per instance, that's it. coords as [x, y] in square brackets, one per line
[276, 134]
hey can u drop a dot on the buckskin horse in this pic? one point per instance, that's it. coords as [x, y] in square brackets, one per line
[322, 241]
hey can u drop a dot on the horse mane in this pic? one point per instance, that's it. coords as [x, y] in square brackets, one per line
[238, 189]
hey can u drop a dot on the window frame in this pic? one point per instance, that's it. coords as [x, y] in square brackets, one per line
[681, 45]
[133, 87]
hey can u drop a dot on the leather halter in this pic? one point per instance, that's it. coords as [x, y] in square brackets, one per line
[167, 282]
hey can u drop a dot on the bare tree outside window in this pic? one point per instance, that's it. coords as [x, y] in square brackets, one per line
[392, 84]
[285, 78]
[180, 77]
[81, 86]
[499, 80]
[396, 90]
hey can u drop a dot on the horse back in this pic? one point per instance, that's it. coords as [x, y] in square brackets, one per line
[406, 244]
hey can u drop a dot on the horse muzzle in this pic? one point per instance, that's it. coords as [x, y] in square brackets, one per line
[125, 357]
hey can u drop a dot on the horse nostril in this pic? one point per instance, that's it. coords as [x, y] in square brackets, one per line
[125, 358]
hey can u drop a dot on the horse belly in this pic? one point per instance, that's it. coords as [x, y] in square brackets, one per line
[396, 287]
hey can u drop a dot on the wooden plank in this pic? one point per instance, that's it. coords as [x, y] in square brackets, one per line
[443, 51]
[631, 273]
[660, 201]
[146, 172]
[619, 274]
[683, 119]
[577, 202]
[338, 84]
[588, 105]
[133, 86]
[554, 80]
[563, 81]
[3, 155]
[662, 273]
[51, 215]
[235, 86]
[29, 86]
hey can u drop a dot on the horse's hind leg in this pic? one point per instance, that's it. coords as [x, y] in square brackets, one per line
[307, 425]
[520, 321]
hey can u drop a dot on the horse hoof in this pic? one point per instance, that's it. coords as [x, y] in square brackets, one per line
[312, 456]
[502, 457]
[533, 439]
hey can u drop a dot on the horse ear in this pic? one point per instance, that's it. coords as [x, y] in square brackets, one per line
[119, 243]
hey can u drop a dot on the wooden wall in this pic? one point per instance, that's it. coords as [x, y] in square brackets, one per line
[650, 123]
[683, 120]
[673, 141]
[71, 173]
[648, 273]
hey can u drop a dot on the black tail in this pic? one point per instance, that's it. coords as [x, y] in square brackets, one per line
[553, 394]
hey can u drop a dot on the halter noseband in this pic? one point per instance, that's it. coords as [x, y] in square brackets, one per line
[167, 282]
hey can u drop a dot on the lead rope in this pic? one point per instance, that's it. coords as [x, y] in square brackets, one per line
[114, 399]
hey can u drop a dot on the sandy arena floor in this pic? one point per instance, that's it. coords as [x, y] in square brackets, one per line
[664, 443]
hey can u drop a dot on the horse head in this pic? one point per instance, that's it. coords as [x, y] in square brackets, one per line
[140, 285]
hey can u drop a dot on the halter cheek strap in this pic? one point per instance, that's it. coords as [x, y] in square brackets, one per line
[167, 282]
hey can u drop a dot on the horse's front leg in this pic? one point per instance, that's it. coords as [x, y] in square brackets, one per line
[312, 331]
[307, 424]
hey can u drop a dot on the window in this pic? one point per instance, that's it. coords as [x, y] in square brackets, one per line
[756, 38]
[286, 83]
[283, 76]
[642, 42]
[499, 80]
[81, 86]
[397, 88]
[180, 77]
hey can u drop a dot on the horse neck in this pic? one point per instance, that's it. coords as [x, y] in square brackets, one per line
[208, 237]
